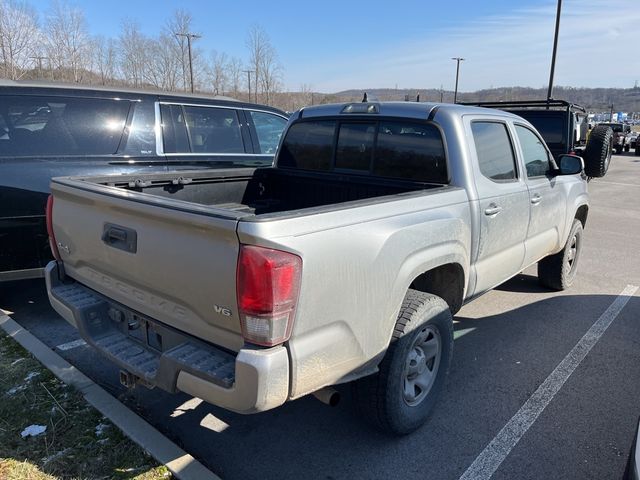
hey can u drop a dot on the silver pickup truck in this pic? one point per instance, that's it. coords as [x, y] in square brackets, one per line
[343, 262]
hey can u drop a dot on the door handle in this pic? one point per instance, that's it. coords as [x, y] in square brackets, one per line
[492, 210]
[536, 199]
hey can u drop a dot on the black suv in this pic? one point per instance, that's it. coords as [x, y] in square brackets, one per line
[564, 128]
[49, 130]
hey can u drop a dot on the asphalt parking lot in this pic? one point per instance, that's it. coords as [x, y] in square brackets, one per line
[508, 342]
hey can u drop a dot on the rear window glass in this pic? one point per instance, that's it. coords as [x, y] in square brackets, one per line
[391, 149]
[142, 134]
[355, 146]
[412, 151]
[61, 125]
[308, 146]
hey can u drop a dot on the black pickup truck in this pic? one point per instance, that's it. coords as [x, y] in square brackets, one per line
[51, 130]
[563, 126]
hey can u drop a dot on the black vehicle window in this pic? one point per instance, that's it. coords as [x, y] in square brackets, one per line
[174, 130]
[61, 125]
[142, 135]
[213, 130]
[494, 149]
[355, 146]
[308, 146]
[551, 124]
[536, 159]
[269, 128]
[412, 151]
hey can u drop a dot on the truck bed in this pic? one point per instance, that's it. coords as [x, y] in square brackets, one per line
[262, 191]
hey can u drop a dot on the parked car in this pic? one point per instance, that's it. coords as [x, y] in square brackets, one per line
[621, 136]
[343, 262]
[565, 129]
[54, 130]
[633, 138]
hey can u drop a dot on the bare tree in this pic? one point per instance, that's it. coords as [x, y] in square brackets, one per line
[235, 76]
[68, 43]
[180, 22]
[217, 72]
[163, 67]
[263, 61]
[133, 55]
[19, 38]
[105, 59]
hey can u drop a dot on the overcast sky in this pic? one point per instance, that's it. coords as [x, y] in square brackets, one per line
[334, 45]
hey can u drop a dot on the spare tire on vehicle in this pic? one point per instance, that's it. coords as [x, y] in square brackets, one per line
[597, 153]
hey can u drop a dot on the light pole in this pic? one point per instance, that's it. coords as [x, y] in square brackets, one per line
[189, 36]
[249, 72]
[455, 92]
[553, 55]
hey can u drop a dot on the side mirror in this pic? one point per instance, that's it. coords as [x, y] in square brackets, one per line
[570, 164]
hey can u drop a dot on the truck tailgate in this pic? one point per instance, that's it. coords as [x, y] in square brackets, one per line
[175, 266]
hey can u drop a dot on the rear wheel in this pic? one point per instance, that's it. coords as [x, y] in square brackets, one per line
[627, 148]
[558, 271]
[400, 397]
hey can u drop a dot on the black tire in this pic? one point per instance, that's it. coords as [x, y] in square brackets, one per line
[558, 271]
[627, 148]
[597, 153]
[385, 398]
[637, 150]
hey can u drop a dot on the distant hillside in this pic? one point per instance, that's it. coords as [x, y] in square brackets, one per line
[594, 99]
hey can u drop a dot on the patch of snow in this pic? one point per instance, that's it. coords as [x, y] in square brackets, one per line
[30, 376]
[100, 428]
[33, 431]
[15, 362]
[55, 456]
[16, 389]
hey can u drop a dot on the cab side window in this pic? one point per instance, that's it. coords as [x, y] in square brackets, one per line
[535, 156]
[495, 152]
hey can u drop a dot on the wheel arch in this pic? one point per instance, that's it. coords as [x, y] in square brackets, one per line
[447, 281]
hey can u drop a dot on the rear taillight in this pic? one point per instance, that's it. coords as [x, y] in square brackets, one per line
[52, 238]
[268, 283]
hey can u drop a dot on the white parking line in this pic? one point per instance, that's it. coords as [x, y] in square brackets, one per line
[70, 345]
[621, 184]
[485, 465]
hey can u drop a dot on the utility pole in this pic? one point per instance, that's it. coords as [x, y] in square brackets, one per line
[611, 114]
[249, 72]
[189, 36]
[455, 92]
[441, 93]
[555, 49]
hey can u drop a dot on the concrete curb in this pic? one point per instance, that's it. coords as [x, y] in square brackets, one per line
[182, 465]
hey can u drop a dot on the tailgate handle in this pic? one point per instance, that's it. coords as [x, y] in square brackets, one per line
[119, 237]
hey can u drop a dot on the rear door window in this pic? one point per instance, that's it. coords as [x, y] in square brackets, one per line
[495, 151]
[213, 130]
[174, 129]
[45, 126]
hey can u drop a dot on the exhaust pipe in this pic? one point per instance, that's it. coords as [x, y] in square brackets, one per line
[328, 395]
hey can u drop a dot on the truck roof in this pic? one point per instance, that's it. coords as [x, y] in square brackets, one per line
[417, 110]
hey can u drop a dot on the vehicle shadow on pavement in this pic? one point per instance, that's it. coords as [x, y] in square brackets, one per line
[522, 283]
[496, 366]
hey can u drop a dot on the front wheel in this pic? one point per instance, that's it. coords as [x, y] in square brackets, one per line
[558, 271]
[400, 397]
